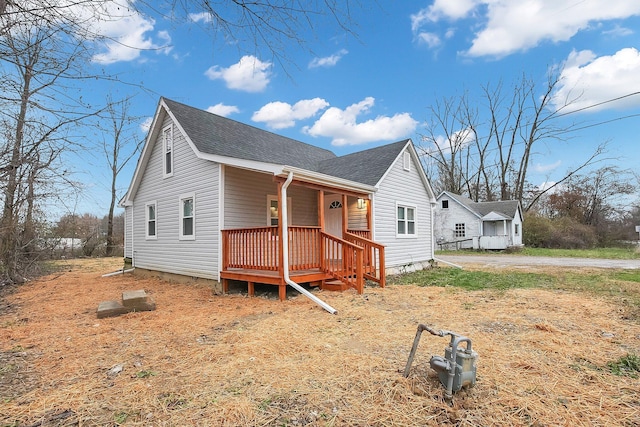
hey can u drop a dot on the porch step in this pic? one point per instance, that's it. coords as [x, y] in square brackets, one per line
[334, 285]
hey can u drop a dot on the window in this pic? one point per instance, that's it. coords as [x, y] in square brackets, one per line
[445, 204]
[459, 230]
[187, 217]
[406, 220]
[406, 161]
[167, 144]
[516, 229]
[151, 220]
[272, 210]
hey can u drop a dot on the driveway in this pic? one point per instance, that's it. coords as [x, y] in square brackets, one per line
[500, 260]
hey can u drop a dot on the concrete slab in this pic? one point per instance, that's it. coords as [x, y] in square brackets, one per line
[134, 298]
[110, 309]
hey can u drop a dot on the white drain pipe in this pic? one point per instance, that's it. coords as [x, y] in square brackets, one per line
[285, 250]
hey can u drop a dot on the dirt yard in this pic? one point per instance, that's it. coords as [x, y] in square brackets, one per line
[210, 360]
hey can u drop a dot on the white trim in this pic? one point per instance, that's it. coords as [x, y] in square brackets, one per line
[147, 236]
[406, 160]
[166, 149]
[181, 199]
[406, 235]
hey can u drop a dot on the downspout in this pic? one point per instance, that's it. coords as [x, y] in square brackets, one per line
[285, 250]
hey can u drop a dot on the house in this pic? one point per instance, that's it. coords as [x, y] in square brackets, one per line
[461, 223]
[216, 199]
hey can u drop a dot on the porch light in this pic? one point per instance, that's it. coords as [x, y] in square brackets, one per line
[360, 203]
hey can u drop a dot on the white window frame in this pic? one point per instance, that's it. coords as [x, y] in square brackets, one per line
[406, 221]
[442, 202]
[184, 197]
[406, 161]
[271, 198]
[148, 236]
[516, 230]
[168, 147]
[457, 231]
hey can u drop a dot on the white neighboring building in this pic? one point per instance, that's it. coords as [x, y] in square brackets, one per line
[461, 223]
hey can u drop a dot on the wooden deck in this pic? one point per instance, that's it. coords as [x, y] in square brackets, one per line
[270, 277]
[254, 255]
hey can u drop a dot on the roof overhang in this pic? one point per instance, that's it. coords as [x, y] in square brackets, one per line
[495, 216]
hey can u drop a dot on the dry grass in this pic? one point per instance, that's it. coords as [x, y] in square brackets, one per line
[208, 360]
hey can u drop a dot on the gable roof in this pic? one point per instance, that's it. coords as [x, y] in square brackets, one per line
[367, 166]
[212, 134]
[219, 139]
[507, 208]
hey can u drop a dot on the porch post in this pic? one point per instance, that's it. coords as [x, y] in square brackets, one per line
[345, 215]
[369, 210]
[280, 233]
[321, 210]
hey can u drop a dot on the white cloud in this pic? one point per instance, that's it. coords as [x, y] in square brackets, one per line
[280, 115]
[249, 74]
[223, 110]
[540, 168]
[200, 17]
[458, 141]
[509, 26]
[343, 128]
[328, 61]
[126, 32]
[430, 39]
[587, 80]
[146, 124]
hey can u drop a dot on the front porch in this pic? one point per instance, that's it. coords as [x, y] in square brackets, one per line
[318, 258]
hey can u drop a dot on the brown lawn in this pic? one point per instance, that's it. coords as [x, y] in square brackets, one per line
[212, 360]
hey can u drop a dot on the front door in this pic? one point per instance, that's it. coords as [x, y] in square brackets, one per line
[333, 214]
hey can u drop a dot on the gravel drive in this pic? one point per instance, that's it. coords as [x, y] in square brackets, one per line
[532, 261]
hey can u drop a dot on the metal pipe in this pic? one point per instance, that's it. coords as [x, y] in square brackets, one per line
[416, 341]
[285, 250]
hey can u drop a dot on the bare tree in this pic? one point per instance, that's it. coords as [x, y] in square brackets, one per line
[484, 152]
[119, 144]
[272, 27]
[35, 113]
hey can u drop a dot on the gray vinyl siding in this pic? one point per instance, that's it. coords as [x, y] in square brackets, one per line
[405, 188]
[167, 253]
[128, 228]
[245, 203]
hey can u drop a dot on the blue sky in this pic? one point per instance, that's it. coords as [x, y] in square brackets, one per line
[349, 93]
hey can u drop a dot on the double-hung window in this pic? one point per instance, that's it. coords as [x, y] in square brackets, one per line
[406, 221]
[167, 147]
[188, 217]
[151, 219]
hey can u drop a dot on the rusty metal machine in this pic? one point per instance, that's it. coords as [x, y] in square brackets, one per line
[457, 369]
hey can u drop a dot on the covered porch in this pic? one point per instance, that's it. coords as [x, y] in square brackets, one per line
[330, 255]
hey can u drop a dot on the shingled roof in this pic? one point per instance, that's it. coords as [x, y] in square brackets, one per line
[366, 166]
[508, 208]
[213, 134]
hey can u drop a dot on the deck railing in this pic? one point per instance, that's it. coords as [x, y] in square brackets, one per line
[304, 248]
[366, 234]
[250, 248]
[343, 260]
[349, 260]
[373, 257]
